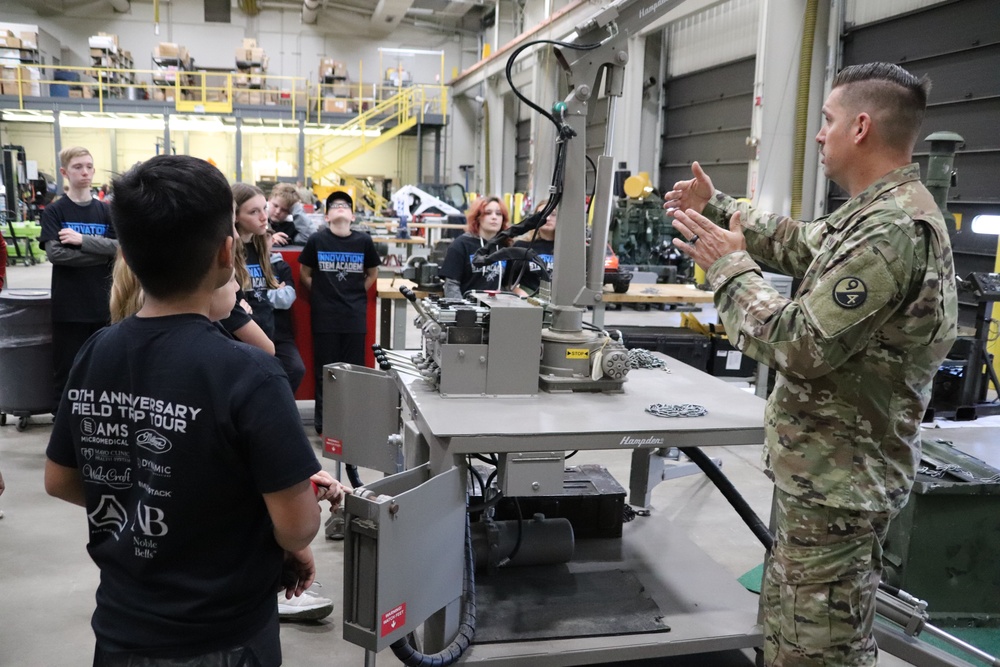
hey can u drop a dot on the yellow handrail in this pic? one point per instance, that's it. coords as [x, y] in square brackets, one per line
[206, 92]
[396, 111]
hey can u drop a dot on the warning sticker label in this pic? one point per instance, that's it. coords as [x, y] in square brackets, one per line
[393, 619]
[577, 353]
[333, 446]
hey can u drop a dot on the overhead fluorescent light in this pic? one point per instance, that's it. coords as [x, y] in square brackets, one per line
[411, 52]
[986, 224]
[15, 117]
[112, 122]
[208, 124]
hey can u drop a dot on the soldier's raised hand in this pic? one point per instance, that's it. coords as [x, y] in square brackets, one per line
[691, 194]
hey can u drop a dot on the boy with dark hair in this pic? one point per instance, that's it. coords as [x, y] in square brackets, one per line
[336, 268]
[185, 446]
[79, 240]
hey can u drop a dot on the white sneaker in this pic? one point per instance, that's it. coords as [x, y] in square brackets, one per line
[306, 607]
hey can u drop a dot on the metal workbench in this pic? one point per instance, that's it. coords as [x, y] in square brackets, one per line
[704, 606]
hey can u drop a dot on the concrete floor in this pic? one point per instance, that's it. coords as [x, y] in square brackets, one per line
[48, 581]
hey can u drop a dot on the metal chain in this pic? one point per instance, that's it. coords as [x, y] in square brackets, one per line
[640, 358]
[677, 410]
[939, 472]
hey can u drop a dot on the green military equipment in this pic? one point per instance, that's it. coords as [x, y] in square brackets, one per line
[944, 545]
[642, 236]
[940, 170]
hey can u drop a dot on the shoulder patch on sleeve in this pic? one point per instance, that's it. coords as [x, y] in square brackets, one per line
[850, 292]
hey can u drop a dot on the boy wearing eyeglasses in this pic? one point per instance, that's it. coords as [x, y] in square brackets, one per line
[337, 267]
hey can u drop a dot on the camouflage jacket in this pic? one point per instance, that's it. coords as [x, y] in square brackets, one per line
[857, 348]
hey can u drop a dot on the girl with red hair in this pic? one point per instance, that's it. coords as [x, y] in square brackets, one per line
[486, 217]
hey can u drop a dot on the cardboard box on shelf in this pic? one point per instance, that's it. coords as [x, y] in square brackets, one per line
[29, 40]
[337, 105]
[340, 90]
[104, 42]
[167, 50]
[252, 55]
[74, 92]
[171, 51]
[330, 68]
[10, 42]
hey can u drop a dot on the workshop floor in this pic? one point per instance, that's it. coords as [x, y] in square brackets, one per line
[48, 581]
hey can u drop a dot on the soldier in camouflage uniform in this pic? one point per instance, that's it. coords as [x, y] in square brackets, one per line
[855, 351]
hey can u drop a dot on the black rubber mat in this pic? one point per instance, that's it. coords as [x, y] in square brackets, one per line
[550, 602]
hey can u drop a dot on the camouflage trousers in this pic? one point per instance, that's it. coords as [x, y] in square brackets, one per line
[818, 594]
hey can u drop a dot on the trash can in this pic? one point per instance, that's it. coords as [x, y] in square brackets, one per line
[25, 354]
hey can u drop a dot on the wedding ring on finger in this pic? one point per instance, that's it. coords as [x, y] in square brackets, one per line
[693, 240]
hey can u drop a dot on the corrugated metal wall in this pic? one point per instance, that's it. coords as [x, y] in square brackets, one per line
[709, 94]
[718, 35]
[860, 12]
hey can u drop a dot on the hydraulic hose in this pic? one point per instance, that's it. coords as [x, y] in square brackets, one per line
[411, 657]
[352, 475]
[712, 471]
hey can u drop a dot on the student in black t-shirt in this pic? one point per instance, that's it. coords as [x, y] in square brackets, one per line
[79, 240]
[485, 218]
[285, 213]
[337, 267]
[529, 275]
[257, 277]
[184, 446]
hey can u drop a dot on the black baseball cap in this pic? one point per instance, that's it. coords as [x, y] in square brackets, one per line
[339, 195]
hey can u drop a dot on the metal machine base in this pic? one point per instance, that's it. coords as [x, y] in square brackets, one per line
[704, 606]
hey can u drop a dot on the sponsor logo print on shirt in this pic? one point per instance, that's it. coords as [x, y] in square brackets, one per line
[341, 262]
[850, 292]
[87, 228]
[108, 476]
[109, 512]
[152, 441]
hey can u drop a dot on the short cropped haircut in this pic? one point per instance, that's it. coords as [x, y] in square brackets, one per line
[172, 214]
[894, 98]
[286, 193]
[478, 208]
[66, 155]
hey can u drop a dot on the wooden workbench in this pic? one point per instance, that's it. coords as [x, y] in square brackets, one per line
[658, 293]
